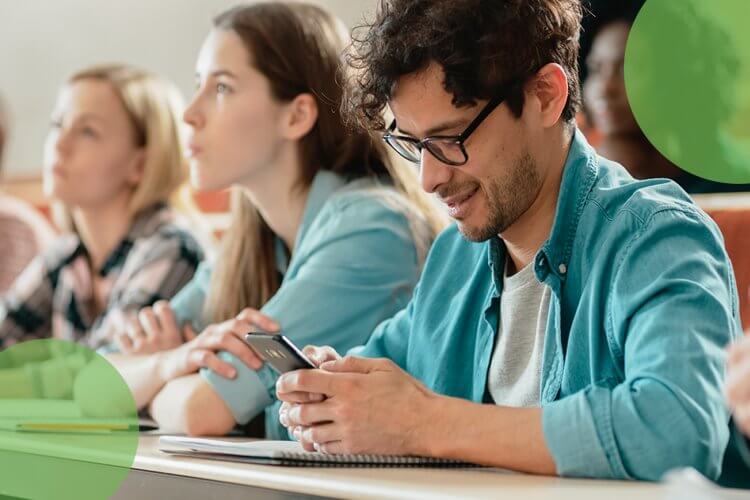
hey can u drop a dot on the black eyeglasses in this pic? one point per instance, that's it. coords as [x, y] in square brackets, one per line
[448, 149]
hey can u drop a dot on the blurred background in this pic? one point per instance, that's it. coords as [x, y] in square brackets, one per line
[42, 42]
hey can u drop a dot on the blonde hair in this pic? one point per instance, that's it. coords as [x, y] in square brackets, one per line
[154, 106]
[302, 47]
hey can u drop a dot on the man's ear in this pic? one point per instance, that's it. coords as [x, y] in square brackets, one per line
[301, 116]
[549, 89]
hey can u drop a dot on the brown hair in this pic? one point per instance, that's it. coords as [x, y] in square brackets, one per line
[483, 46]
[301, 47]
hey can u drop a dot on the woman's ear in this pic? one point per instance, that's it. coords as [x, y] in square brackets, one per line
[137, 167]
[301, 116]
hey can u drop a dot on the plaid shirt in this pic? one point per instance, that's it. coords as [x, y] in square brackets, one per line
[23, 234]
[54, 296]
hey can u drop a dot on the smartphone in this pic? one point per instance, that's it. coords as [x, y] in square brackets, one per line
[279, 352]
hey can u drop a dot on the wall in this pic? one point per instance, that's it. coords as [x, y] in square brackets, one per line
[41, 42]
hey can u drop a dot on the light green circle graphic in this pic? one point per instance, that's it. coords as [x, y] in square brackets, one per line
[68, 422]
[687, 76]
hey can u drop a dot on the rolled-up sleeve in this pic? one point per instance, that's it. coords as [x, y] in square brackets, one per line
[356, 266]
[672, 308]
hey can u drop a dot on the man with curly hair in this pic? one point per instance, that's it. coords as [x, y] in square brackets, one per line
[573, 320]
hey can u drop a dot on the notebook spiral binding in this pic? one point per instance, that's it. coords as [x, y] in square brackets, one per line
[330, 460]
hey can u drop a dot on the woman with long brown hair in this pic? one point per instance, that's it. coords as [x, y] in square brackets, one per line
[327, 238]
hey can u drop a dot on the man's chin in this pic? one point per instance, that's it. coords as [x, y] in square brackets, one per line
[474, 233]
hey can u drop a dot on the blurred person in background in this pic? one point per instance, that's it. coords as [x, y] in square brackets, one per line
[113, 166]
[24, 232]
[606, 107]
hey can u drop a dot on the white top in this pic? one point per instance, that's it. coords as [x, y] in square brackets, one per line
[516, 367]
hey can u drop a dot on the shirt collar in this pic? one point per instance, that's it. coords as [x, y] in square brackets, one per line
[144, 224]
[496, 259]
[579, 173]
[148, 220]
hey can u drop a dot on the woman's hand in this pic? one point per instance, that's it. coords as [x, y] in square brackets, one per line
[151, 330]
[201, 350]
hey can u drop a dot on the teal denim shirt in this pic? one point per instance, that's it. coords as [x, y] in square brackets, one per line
[644, 303]
[358, 255]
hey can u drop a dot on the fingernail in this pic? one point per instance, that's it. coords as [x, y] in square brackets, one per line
[232, 373]
[283, 419]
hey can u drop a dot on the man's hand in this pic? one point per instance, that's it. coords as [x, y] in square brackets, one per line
[318, 356]
[738, 383]
[370, 406]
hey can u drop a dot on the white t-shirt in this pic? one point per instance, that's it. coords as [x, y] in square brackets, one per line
[516, 368]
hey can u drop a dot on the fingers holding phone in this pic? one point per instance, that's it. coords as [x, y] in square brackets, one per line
[320, 355]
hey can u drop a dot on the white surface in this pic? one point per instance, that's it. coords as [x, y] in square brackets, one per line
[30, 408]
[394, 483]
[377, 483]
[260, 449]
[277, 450]
[719, 201]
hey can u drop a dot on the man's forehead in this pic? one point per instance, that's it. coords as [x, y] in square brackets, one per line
[426, 83]
[419, 100]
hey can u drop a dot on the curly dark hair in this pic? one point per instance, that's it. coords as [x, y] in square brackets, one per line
[482, 45]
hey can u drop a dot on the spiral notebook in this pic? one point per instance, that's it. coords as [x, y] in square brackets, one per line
[288, 453]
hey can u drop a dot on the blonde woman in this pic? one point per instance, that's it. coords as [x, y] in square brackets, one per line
[328, 235]
[113, 163]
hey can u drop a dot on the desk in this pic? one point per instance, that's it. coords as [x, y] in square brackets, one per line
[156, 475]
[370, 483]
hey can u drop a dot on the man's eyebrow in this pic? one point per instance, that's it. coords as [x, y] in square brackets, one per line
[435, 130]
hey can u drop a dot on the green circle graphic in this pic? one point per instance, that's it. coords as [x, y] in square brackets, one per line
[68, 422]
[687, 76]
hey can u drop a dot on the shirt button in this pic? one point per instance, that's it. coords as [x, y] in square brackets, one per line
[563, 269]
